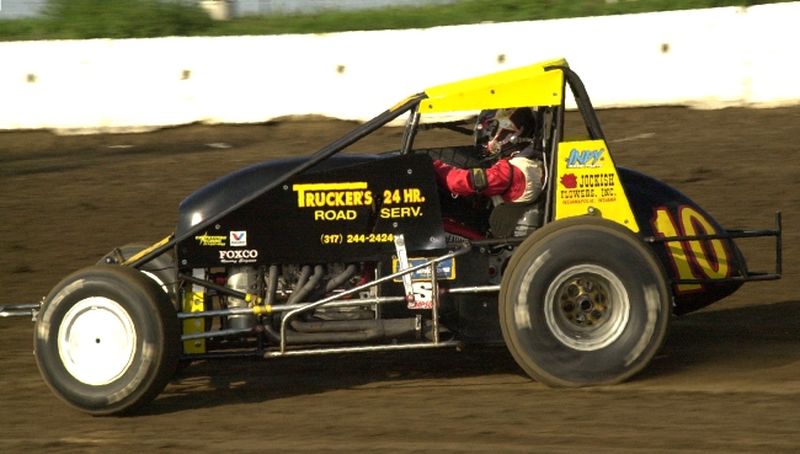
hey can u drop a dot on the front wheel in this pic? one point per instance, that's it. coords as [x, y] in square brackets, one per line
[583, 302]
[161, 269]
[107, 339]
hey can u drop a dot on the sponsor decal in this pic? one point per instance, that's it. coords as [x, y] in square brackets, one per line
[585, 187]
[401, 212]
[238, 256]
[580, 159]
[423, 295]
[589, 180]
[211, 240]
[334, 201]
[335, 215]
[569, 181]
[333, 195]
[406, 196]
[445, 270]
[238, 238]
[342, 201]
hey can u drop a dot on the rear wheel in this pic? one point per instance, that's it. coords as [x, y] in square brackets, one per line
[583, 302]
[107, 339]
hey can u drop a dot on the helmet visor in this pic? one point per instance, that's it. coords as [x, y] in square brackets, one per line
[501, 131]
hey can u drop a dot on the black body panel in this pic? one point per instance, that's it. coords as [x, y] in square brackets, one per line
[649, 199]
[222, 193]
[346, 209]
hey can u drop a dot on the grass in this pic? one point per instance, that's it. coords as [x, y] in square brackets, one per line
[81, 19]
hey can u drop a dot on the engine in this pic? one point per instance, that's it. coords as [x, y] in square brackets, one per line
[285, 286]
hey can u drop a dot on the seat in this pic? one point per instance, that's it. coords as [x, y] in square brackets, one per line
[516, 219]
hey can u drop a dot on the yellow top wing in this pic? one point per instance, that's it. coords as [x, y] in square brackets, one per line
[527, 86]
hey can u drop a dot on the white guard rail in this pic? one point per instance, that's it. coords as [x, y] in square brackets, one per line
[703, 58]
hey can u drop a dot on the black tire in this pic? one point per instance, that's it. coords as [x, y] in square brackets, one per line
[161, 269]
[583, 302]
[107, 340]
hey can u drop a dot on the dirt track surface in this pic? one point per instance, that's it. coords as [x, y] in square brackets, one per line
[727, 379]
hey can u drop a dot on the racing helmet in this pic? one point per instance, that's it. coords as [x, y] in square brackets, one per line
[501, 131]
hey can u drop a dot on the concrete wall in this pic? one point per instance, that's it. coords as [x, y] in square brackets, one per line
[703, 58]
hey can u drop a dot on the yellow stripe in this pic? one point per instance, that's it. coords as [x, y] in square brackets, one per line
[330, 186]
[405, 101]
[147, 250]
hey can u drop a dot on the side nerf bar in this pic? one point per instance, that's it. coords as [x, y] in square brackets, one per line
[20, 310]
[744, 276]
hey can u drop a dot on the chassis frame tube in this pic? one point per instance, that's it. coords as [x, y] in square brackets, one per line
[324, 351]
[373, 348]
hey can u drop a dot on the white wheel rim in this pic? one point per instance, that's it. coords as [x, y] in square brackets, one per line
[604, 317]
[97, 341]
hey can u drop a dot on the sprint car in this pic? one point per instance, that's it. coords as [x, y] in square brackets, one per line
[341, 252]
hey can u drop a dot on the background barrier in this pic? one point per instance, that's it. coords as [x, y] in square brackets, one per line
[707, 58]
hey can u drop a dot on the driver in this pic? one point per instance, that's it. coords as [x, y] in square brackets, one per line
[505, 139]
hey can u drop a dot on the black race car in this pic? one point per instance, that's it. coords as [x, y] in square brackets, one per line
[344, 252]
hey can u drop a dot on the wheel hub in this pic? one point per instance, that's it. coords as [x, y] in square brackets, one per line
[97, 341]
[584, 302]
[587, 307]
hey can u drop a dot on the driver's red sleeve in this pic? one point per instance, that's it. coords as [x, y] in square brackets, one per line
[452, 178]
[499, 178]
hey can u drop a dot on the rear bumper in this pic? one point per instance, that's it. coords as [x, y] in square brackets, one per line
[743, 275]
